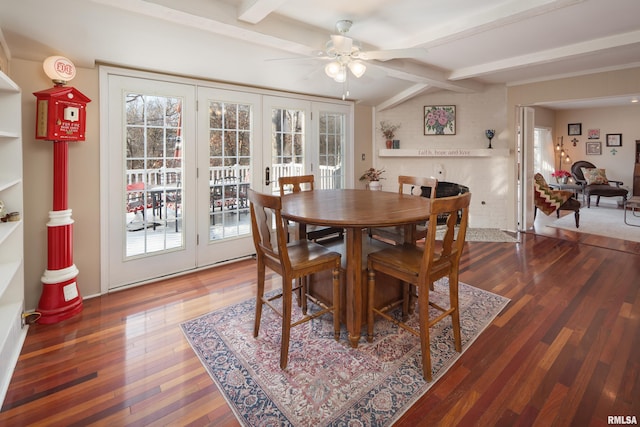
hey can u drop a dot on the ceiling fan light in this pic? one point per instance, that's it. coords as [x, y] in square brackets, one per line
[332, 69]
[341, 76]
[357, 68]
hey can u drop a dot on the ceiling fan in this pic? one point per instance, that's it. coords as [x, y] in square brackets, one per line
[345, 53]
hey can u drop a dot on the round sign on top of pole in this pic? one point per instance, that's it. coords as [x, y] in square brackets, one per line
[59, 69]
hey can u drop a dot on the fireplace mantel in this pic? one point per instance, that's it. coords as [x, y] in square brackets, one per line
[445, 152]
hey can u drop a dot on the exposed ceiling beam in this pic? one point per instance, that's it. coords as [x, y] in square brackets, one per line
[254, 11]
[542, 57]
[413, 72]
[507, 13]
[403, 96]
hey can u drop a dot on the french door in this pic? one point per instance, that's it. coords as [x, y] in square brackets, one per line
[228, 165]
[304, 138]
[150, 177]
[181, 158]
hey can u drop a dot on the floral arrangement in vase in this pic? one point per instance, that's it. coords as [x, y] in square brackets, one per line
[561, 176]
[388, 131]
[372, 174]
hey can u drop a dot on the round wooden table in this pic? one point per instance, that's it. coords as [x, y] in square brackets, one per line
[356, 210]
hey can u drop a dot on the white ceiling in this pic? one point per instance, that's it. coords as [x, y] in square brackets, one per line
[467, 43]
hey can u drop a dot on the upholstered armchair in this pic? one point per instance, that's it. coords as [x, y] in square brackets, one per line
[594, 182]
[549, 201]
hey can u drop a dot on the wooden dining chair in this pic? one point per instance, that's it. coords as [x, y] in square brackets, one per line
[295, 184]
[421, 268]
[292, 261]
[396, 234]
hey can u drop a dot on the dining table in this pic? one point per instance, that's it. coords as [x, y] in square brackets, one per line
[355, 211]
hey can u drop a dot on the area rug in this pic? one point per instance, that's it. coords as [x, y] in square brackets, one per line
[327, 382]
[604, 220]
[481, 235]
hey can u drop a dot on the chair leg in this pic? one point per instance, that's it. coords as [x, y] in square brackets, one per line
[425, 347]
[577, 215]
[372, 285]
[455, 314]
[336, 301]
[304, 282]
[286, 321]
[597, 200]
[259, 297]
[406, 296]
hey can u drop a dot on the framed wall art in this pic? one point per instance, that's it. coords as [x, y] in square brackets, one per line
[614, 140]
[440, 120]
[594, 148]
[593, 134]
[574, 129]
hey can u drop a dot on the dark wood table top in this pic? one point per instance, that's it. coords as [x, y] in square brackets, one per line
[355, 208]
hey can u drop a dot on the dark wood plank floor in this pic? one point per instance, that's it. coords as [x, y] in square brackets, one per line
[565, 351]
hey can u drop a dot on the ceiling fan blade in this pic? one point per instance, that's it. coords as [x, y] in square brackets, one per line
[385, 55]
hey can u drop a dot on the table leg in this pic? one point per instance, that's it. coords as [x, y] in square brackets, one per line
[354, 298]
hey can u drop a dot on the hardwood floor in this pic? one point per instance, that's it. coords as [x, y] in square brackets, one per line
[565, 351]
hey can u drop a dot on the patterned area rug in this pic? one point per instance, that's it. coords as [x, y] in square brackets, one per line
[482, 235]
[327, 382]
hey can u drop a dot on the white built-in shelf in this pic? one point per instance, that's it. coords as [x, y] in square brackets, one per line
[445, 152]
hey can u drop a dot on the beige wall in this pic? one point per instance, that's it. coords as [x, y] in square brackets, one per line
[619, 163]
[363, 128]
[83, 186]
[606, 84]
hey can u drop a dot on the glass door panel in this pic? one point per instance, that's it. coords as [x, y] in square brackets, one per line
[227, 155]
[332, 135]
[153, 169]
[288, 132]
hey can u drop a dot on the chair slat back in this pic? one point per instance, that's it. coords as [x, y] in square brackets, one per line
[418, 181]
[295, 184]
[263, 208]
[452, 243]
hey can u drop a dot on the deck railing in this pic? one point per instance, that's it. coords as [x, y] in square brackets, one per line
[329, 175]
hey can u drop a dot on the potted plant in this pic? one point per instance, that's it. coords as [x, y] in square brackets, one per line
[388, 131]
[561, 176]
[373, 177]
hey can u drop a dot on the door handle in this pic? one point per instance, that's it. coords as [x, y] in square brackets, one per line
[267, 176]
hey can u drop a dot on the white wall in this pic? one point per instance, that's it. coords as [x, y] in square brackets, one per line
[487, 177]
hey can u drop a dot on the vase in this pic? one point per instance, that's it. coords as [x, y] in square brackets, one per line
[389, 144]
[375, 186]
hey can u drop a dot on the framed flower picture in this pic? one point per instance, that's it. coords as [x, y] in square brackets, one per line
[440, 120]
[594, 133]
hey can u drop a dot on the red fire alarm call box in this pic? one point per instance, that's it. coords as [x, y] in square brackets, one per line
[61, 114]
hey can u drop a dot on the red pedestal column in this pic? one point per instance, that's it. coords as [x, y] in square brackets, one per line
[60, 297]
